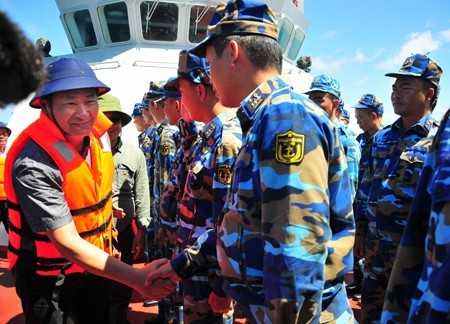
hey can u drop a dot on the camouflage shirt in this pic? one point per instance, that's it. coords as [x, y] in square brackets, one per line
[364, 182]
[166, 143]
[146, 141]
[189, 136]
[419, 281]
[397, 161]
[209, 176]
[352, 153]
[289, 181]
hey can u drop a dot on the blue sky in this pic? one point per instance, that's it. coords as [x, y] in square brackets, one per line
[355, 41]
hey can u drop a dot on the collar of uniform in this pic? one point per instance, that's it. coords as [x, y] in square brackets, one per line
[250, 105]
[188, 129]
[214, 127]
[423, 126]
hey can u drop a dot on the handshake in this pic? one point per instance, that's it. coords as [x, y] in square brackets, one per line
[159, 280]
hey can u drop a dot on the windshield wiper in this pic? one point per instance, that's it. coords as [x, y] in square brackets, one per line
[150, 12]
[200, 17]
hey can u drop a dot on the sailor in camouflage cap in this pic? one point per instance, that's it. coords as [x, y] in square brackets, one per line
[326, 84]
[273, 239]
[325, 91]
[368, 114]
[421, 66]
[397, 159]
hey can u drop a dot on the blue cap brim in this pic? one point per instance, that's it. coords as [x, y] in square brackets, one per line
[200, 49]
[321, 90]
[403, 74]
[66, 85]
[361, 106]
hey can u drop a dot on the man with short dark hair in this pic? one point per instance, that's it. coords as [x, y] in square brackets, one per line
[397, 158]
[325, 91]
[287, 180]
[368, 113]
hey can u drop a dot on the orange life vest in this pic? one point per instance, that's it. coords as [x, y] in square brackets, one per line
[2, 178]
[87, 190]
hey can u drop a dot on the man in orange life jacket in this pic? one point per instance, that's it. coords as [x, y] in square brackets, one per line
[58, 180]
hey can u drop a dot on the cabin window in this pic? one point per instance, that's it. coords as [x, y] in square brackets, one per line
[80, 28]
[296, 45]
[284, 35]
[159, 21]
[199, 18]
[114, 22]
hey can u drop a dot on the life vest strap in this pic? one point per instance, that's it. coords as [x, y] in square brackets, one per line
[89, 209]
[97, 230]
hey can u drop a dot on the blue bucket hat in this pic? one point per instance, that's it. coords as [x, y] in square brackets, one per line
[370, 101]
[137, 110]
[68, 74]
[4, 126]
[239, 17]
[194, 68]
[327, 84]
[419, 66]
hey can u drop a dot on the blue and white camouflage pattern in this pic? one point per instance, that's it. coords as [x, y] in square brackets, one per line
[352, 153]
[166, 143]
[290, 182]
[397, 161]
[419, 289]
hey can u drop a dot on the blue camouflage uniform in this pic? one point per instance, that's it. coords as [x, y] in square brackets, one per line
[275, 232]
[166, 143]
[275, 235]
[352, 152]
[207, 183]
[417, 285]
[398, 156]
[421, 271]
[208, 169]
[371, 103]
[189, 137]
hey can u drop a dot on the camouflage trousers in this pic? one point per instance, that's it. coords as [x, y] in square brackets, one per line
[380, 258]
[335, 306]
[251, 302]
[196, 308]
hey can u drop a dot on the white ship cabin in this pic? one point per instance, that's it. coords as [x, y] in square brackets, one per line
[170, 24]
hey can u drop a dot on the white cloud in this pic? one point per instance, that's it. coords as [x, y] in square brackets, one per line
[330, 35]
[417, 43]
[327, 64]
[360, 57]
[445, 34]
